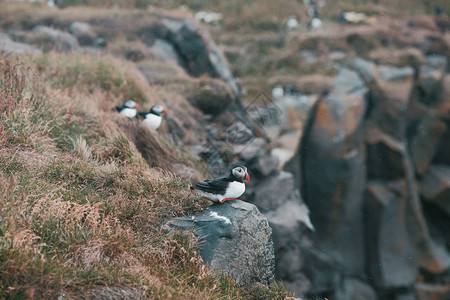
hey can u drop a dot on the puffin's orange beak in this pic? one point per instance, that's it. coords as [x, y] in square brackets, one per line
[137, 106]
[246, 178]
[164, 112]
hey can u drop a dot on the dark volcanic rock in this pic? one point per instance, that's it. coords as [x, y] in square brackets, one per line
[273, 191]
[432, 292]
[333, 176]
[197, 52]
[442, 155]
[384, 154]
[391, 254]
[424, 142]
[354, 289]
[236, 239]
[436, 186]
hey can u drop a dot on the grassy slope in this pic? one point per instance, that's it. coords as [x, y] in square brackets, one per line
[80, 207]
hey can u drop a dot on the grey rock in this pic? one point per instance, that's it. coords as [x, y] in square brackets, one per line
[273, 191]
[9, 47]
[212, 99]
[426, 291]
[238, 133]
[392, 257]
[265, 165]
[164, 51]
[333, 176]
[430, 81]
[392, 74]
[436, 186]
[236, 239]
[442, 155]
[250, 150]
[384, 154]
[354, 289]
[197, 52]
[83, 32]
[288, 221]
[50, 38]
[365, 68]
[425, 141]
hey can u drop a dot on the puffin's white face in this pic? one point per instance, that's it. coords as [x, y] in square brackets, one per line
[241, 173]
[158, 110]
[130, 104]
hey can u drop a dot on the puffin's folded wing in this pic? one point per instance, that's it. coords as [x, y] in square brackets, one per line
[216, 186]
[141, 114]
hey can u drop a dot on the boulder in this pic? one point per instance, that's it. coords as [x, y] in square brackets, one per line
[436, 186]
[197, 52]
[212, 99]
[9, 47]
[442, 155]
[443, 108]
[235, 239]
[426, 291]
[391, 254]
[384, 154]
[83, 32]
[390, 98]
[49, 39]
[273, 191]
[164, 51]
[430, 81]
[265, 165]
[333, 174]
[425, 137]
[354, 289]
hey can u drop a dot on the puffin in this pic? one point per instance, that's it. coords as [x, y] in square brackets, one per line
[222, 189]
[129, 109]
[153, 118]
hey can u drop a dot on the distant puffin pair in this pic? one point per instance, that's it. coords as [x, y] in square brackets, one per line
[152, 119]
[222, 189]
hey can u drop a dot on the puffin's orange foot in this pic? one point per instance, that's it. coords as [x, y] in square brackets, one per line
[226, 199]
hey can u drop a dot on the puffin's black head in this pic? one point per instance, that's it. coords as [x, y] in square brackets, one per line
[158, 110]
[131, 104]
[240, 172]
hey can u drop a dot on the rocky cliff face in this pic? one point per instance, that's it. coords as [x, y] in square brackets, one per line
[372, 168]
[235, 238]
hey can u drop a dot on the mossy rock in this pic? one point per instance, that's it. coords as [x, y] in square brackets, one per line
[212, 99]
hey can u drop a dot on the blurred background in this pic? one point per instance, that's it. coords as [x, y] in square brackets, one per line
[340, 110]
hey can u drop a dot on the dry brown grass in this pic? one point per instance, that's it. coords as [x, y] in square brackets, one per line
[81, 209]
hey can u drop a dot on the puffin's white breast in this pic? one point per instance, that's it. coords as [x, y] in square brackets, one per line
[128, 112]
[235, 189]
[153, 121]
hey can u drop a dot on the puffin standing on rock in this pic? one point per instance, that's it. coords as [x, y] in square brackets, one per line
[222, 189]
[153, 118]
[129, 109]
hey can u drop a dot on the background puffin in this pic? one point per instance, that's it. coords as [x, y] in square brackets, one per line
[129, 109]
[223, 189]
[153, 118]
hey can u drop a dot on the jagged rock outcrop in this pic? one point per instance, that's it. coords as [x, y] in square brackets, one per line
[235, 238]
[49, 39]
[192, 48]
[9, 47]
[364, 165]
